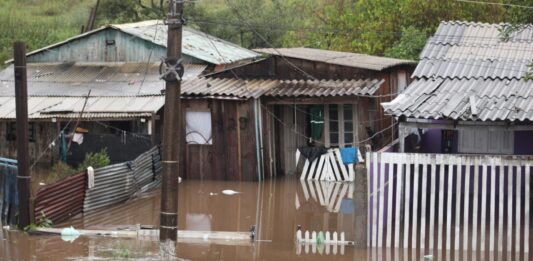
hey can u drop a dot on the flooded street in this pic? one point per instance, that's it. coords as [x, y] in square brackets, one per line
[275, 207]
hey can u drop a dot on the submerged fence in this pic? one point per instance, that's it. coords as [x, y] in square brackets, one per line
[61, 200]
[451, 202]
[119, 182]
[112, 184]
[8, 191]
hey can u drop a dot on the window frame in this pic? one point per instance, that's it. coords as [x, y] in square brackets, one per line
[340, 124]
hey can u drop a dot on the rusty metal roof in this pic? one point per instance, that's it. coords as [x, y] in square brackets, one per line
[364, 61]
[103, 79]
[97, 107]
[469, 72]
[196, 44]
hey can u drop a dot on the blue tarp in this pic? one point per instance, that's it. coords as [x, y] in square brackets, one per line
[9, 199]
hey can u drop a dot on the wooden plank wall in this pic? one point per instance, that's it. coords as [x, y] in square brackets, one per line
[232, 156]
[466, 205]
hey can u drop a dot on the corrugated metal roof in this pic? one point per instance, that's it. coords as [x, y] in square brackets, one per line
[97, 107]
[450, 99]
[357, 60]
[315, 88]
[195, 43]
[497, 51]
[472, 69]
[455, 32]
[281, 88]
[103, 79]
[470, 61]
[227, 87]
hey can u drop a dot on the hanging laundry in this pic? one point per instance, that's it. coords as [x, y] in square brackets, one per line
[312, 153]
[317, 121]
[90, 177]
[349, 155]
[78, 138]
[63, 147]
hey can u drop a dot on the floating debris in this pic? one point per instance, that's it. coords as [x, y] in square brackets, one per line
[230, 192]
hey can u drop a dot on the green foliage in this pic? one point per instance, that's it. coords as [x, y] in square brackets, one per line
[95, 160]
[39, 23]
[60, 170]
[409, 46]
[379, 27]
[43, 222]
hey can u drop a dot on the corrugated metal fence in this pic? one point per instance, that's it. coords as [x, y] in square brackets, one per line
[119, 182]
[61, 200]
[112, 184]
[472, 202]
[8, 191]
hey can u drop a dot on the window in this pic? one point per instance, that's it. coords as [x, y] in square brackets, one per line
[11, 131]
[401, 81]
[198, 127]
[485, 140]
[340, 125]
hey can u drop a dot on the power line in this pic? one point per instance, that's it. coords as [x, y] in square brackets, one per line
[495, 3]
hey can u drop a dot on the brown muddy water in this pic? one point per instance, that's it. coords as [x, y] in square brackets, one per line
[276, 207]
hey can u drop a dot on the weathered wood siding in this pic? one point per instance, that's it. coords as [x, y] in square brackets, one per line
[232, 155]
[108, 45]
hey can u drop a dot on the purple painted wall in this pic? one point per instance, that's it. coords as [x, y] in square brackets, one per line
[431, 141]
[523, 142]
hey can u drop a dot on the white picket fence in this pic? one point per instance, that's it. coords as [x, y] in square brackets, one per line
[470, 202]
[328, 166]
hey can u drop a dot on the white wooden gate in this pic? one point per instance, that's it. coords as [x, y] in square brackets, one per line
[461, 203]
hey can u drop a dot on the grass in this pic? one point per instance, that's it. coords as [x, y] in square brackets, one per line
[39, 22]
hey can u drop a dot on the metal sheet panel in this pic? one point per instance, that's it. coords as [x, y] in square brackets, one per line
[132, 38]
[119, 182]
[97, 107]
[195, 43]
[61, 200]
[103, 79]
[356, 60]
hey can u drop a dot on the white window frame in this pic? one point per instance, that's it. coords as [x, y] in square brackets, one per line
[340, 111]
[486, 141]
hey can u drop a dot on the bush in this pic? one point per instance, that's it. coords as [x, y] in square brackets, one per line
[95, 160]
[61, 170]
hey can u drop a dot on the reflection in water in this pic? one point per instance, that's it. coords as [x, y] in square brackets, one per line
[202, 206]
[276, 207]
[332, 195]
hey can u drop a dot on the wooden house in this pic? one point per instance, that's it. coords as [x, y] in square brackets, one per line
[260, 112]
[109, 79]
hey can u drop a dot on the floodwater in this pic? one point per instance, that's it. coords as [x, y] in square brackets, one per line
[275, 207]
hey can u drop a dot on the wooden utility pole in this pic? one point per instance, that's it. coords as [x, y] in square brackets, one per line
[171, 72]
[23, 157]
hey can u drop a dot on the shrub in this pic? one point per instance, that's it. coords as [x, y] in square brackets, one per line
[61, 170]
[95, 160]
